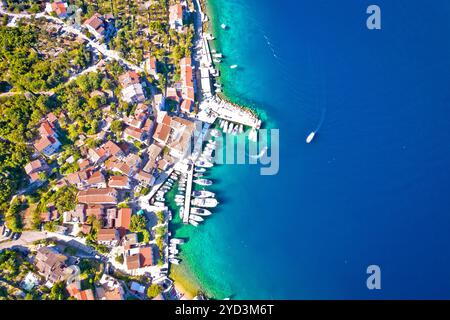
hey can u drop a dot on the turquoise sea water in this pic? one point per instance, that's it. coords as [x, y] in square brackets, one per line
[372, 188]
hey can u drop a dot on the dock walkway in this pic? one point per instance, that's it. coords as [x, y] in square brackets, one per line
[187, 197]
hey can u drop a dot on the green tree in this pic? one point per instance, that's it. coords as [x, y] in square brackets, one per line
[138, 223]
[153, 290]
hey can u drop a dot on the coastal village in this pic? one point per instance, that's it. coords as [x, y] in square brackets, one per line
[115, 144]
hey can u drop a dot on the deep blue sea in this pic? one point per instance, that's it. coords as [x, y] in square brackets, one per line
[372, 187]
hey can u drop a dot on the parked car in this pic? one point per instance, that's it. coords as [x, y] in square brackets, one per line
[16, 235]
[7, 232]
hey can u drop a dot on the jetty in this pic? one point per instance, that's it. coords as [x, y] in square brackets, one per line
[187, 197]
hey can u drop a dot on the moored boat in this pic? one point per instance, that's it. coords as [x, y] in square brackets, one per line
[205, 202]
[201, 211]
[203, 182]
[196, 169]
[203, 194]
[203, 164]
[196, 218]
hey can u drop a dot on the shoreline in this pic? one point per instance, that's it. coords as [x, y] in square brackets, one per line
[185, 279]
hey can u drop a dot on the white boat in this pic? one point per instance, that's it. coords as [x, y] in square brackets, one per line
[173, 251]
[234, 66]
[212, 142]
[203, 194]
[225, 127]
[204, 164]
[230, 128]
[206, 203]
[159, 204]
[199, 169]
[196, 218]
[223, 26]
[203, 182]
[198, 175]
[181, 213]
[215, 133]
[310, 137]
[241, 129]
[201, 211]
[177, 241]
[216, 60]
[211, 146]
[235, 130]
[174, 261]
[194, 223]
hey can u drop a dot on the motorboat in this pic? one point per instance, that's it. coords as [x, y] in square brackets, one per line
[310, 137]
[196, 169]
[174, 261]
[234, 66]
[203, 194]
[200, 211]
[196, 218]
[205, 202]
[203, 182]
[204, 164]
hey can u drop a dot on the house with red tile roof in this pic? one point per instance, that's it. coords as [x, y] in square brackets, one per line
[101, 26]
[123, 220]
[47, 145]
[144, 178]
[151, 66]
[119, 182]
[135, 134]
[176, 13]
[98, 196]
[59, 8]
[33, 169]
[96, 180]
[109, 237]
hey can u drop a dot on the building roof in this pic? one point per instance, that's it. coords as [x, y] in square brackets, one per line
[45, 129]
[146, 256]
[87, 294]
[118, 182]
[129, 78]
[44, 142]
[98, 196]
[124, 218]
[133, 262]
[107, 235]
[96, 177]
[34, 166]
[112, 148]
[59, 8]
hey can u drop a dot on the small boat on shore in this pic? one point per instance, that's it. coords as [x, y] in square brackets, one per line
[196, 169]
[234, 66]
[196, 218]
[203, 194]
[201, 211]
[206, 203]
[203, 182]
[310, 137]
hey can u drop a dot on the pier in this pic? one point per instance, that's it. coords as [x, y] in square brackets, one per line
[187, 197]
